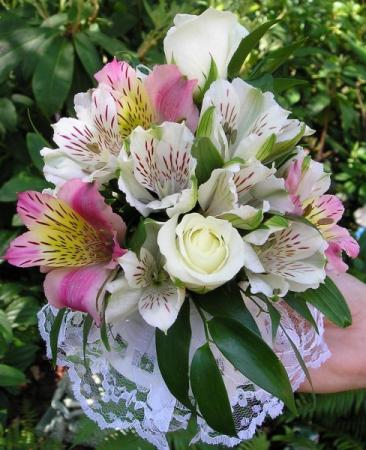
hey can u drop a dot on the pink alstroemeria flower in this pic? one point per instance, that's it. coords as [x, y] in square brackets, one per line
[306, 182]
[164, 95]
[75, 238]
[325, 212]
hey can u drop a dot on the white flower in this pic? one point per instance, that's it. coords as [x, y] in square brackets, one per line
[145, 286]
[88, 146]
[249, 123]
[160, 164]
[241, 193]
[292, 256]
[203, 253]
[195, 40]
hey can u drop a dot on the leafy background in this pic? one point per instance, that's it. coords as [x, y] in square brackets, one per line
[49, 50]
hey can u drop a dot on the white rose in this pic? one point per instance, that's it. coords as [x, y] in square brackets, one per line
[193, 40]
[203, 252]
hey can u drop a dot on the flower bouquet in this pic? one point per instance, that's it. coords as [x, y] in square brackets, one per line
[186, 243]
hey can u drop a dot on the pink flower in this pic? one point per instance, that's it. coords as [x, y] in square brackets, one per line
[292, 182]
[75, 237]
[306, 181]
[164, 95]
[172, 95]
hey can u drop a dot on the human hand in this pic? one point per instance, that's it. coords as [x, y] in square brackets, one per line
[346, 368]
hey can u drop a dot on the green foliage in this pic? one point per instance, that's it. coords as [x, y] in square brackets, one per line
[172, 350]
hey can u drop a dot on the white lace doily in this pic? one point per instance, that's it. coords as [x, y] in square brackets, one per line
[123, 389]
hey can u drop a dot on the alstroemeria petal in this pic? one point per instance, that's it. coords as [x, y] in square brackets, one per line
[339, 240]
[74, 230]
[123, 302]
[249, 118]
[25, 251]
[218, 194]
[162, 158]
[324, 212]
[118, 75]
[159, 305]
[86, 200]
[136, 195]
[172, 95]
[60, 166]
[77, 289]
[161, 163]
[267, 284]
[272, 190]
[96, 137]
[138, 271]
[62, 239]
[314, 180]
[295, 243]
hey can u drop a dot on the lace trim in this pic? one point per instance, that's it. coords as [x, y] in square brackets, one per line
[123, 389]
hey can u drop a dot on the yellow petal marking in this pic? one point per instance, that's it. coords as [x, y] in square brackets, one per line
[67, 240]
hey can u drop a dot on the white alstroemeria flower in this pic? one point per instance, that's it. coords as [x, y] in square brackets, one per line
[292, 256]
[161, 164]
[145, 286]
[196, 40]
[88, 145]
[249, 123]
[241, 193]
[203, 253]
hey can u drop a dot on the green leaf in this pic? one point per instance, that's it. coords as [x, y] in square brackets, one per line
[52, 78]
[252, 357]
[205, 125]
[274, 59]
[275, 318]
[138, 238]
[121, 441]
[208, 158]
[246, 46]
[226, 301]
[55, 330]
[281, 148]
[88, 322]
[249, 223]
[5, 328]
[111, 45]
[8, 114]
[329, 300]
[212, 76]
[209, 390]
[283, 84]
[87, 54]
[172, 349]
[19, 183]
[21, 355]
[10, 376]
[15, 43]
[104, 335]
[301, 307]
[35, 143]
[266, 149]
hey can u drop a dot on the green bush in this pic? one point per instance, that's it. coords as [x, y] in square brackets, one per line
[50, 50]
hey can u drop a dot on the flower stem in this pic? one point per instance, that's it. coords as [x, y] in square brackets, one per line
[204, 320]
